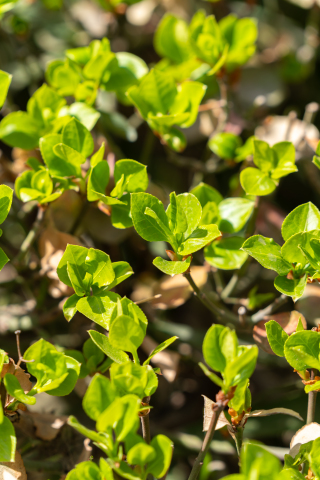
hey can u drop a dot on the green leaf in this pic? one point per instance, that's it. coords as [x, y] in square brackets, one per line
[19, 129]
[104, 344]
[256, 182]
[14, 389]
[311, 388]
[5, 80]
[122, 271]
[49, 366]
[213, 377]
[70, 307]
[69, 382]
[6, 194]
[302, 350]
[98, 264]
[225, 144]
[129, 377]
[78, 137]
[3, 259]
[285, 159]
[241, 35]
[135, 175]
[8, 441]
[72, 160]
[242, 366]
[76, 256]
[234, 214]
[152, 381]
[155, 94]
[159, 348]
[162, 446]
[99, 395]
[211, 348]
[121, 417]
[94, 436]
[85, 470]
[292, 252]
[98, 308]
[256, 462]
[141, 454]
[172, 267]
[304, 218]
[315, 460]
[172, 38]
[127, 69]
[88, 116]
[105, 469]
[186, 103]
[80, 284]
[242, 153]
[126, 333]
[292, 288]
[98, 180]
[276, 337]
[146, 226]
[199, 238]
[226, 254]
[205, 193]
[268, 253]
[263, 156]
[188, 214]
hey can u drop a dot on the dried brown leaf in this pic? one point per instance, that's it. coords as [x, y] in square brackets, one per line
[274, 411]
[47, 426]
[207, 415]
[13, 470]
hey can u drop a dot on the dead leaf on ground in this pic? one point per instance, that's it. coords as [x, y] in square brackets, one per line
[173, 291]
[306, 434]
[47, 426]
[13, 470]
[20, 374]
[52, 245]
[166, 360]
[309, 304]
[287, 320]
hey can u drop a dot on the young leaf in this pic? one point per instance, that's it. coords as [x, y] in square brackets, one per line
[211, 348]
[70, 380]
[19, 129]
[14, 389]
[129, 377]
[267, 252]
[302, 350]
[99, 395]
[226, 253]
[6, 194]
[198, 239]
[256, 182]
[171, 39]
[8, 441]
[104, 344]
[70, 307]
[242, 366]
[293, 288]
[225, 144]
[5, 80]
[126, 333]
[98, 308]
[78, 137]
[234, 214]
[213, 377]
[135, 175]
[276, 337]
[141, 454]
[304, 218]
[98, 180]
[145, 225]
[162, 446]
[99, 265]
[159, 348]
[172, 268]
[84, 470]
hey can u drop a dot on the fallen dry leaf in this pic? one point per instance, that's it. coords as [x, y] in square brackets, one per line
[304, 435]
[47, 426]
[287, 320]
[20, 374]
[171, 292]
[52, 245]
[309, 304]
[166, 360]
[13, 470]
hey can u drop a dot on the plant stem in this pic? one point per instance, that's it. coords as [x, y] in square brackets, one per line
[30, 238]
[228, 289]
[312, 397]
[238, 438]
[206, 443]
[145, 423]
[217, 309]
[277, 303]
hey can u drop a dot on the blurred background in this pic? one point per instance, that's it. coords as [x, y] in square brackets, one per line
[281, 78]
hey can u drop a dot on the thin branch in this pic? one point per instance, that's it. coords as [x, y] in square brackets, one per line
[145, 421]
[275, 305]
[31, 237]
[312, 398]
[218, 310]
[206, 443]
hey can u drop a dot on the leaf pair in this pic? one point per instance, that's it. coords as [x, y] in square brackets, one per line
[223, 354]
[299, 258]
[272, 163]
[301, 349]
[91, 271]
[129, 176]
[162, 104]
[179, 225]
